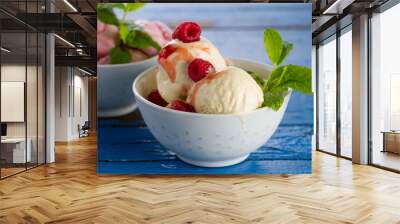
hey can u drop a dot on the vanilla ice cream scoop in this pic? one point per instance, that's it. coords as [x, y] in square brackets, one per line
[173, 81]
[229, 91]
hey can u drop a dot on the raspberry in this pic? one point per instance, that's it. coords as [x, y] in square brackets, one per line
[187, 32]
[156, 98]
[181, 106]
[199, 68]
[166, 51]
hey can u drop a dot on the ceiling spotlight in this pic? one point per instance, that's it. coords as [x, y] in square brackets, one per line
[80, 51]
[5, 49]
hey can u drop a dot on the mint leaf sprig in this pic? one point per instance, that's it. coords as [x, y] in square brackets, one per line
[282, 78]
[131, 35]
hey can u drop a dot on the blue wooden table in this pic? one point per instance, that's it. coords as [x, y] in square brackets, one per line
[127, 146]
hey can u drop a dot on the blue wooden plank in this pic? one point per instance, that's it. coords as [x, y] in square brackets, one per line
[123, 135]
[178, 167]
[138, 135]
[146, 151]
[154, 151]
[284, 134]
[120, 123]
[289, 142]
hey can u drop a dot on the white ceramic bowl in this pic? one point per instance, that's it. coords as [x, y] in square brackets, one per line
[114, 91]
[203, 139]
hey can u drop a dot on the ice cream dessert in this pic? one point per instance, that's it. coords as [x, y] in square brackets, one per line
[202, 102]
[108, 37]
[173, 78]
[193, 77]
[229, 91]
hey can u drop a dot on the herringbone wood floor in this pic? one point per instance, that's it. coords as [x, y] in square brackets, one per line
[70, 191]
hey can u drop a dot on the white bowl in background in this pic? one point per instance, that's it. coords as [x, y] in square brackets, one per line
[208, 140]
[114, 87]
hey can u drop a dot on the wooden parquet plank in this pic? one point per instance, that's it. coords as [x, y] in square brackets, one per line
[70, 191]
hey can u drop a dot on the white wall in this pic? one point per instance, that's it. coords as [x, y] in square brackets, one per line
[79, 117]
[33, 126]
[13, 101]
[70, 83]
[62, 82]
[12, 73]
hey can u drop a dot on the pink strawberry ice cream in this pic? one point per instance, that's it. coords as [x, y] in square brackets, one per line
[108, 37]
[160, 33]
